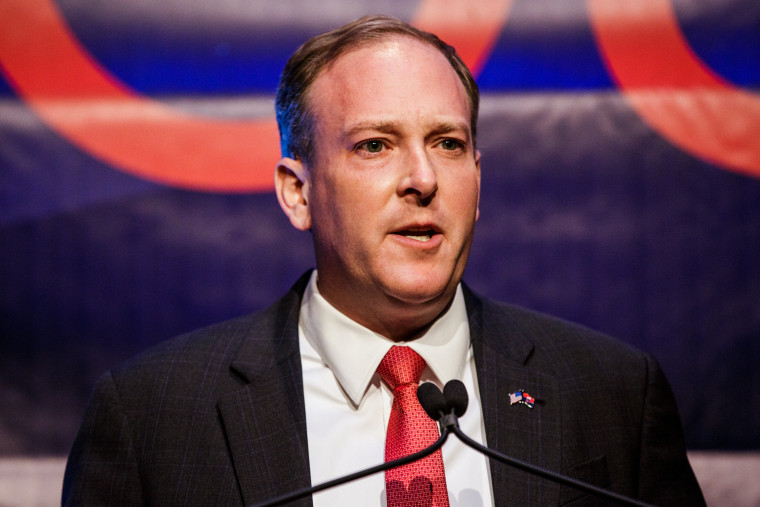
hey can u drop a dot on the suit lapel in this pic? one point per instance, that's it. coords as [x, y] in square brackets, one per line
[502, 357]
[265, 420]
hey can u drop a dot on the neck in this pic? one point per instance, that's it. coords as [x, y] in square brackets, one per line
[397, 320]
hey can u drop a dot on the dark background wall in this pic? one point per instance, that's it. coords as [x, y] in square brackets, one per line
[593, 209]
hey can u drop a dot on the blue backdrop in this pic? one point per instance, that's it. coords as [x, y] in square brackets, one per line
[589, 211]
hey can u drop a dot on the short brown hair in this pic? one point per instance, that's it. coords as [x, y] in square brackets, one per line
[293, 116]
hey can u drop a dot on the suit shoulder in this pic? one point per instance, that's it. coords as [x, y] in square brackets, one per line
[211, 341]
[210, 350]
[548, 337]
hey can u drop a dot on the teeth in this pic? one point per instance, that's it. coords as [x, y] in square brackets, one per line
[419, 238]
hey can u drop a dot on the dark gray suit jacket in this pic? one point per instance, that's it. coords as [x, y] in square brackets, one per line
[216, 417]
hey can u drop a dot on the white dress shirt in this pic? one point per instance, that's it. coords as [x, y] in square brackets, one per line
[348, 406]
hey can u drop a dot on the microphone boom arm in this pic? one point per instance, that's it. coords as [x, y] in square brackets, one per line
[449, 423]
[295, 495]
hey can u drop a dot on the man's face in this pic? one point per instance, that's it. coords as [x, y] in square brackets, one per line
[392, 194]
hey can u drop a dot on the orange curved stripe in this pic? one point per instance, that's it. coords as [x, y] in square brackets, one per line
[672, 89]
[471, 27]
[83, 102]
[80, 100]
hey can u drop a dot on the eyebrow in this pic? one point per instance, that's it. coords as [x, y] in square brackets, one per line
[445, 127]
[385, 127]
[394, 127]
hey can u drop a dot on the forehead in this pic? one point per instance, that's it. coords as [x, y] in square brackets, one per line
[385, 79]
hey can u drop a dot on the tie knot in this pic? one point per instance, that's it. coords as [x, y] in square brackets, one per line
[401, 365]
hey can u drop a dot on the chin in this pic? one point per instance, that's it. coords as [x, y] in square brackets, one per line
[422, 289]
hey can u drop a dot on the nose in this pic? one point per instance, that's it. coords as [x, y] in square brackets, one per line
[419, 178]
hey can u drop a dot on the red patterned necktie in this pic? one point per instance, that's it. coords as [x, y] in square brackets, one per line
[421, 483]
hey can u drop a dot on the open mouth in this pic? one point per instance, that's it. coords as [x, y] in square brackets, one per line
[422, 234]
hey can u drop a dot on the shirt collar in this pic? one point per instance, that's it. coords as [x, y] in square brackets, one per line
[352, 352]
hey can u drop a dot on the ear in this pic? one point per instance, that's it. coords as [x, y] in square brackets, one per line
[292, 187]
[477, 167]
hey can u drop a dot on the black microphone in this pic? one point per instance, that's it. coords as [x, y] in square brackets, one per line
[455, 394]
[443, 407]
[435, 403]
[454, 405]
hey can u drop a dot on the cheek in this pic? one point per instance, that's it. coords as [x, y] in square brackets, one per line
[465, 192]
[339, 211]
[362, 192]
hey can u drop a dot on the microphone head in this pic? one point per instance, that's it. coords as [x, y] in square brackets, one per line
[455, 394]
[432, 400]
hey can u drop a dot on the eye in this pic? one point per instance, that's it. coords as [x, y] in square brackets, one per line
[371, 146]
[451, 144]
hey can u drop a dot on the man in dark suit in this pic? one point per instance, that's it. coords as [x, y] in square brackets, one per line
[378, 128]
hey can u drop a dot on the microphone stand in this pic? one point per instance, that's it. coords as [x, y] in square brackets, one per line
[300, 493]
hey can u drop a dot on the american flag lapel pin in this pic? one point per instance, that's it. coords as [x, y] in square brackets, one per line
[522, 397]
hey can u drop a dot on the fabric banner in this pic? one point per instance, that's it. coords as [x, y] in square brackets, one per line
[620, 183]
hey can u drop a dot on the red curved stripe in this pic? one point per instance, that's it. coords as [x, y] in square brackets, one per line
[83, 102]
[672, 89]
[471, 27]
